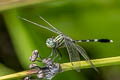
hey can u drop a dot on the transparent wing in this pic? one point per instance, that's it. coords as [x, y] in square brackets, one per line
[73, 53]
[83, 53]
[52, 30]
[74, 50]
[50, 25]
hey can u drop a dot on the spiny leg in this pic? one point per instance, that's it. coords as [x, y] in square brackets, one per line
[95, 40]
[56, 55]
[60, 55]
[51, 54]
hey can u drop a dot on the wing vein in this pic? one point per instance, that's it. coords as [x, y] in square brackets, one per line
[38, 25]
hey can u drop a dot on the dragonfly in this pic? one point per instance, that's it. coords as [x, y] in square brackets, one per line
[62, 40]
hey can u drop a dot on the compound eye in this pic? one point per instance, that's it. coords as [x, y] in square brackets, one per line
[50, 43]
[48, 40]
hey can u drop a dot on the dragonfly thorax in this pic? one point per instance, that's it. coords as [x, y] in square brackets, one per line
[55, 42]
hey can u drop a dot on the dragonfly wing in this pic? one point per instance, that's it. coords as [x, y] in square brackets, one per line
[55, 29]
[72, 51]
[50, 29]
[83, 53]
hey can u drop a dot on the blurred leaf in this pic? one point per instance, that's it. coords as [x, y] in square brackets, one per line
[20, 38]
[4, 70]
[9, 4]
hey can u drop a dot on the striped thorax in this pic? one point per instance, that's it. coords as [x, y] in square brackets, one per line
[55, 42]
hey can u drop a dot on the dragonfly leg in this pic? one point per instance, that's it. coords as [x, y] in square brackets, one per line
[56, 55]
[51, 53]
[59, 53]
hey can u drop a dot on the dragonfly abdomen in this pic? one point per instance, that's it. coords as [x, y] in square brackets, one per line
[95, 40]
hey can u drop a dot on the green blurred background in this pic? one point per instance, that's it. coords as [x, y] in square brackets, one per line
[79, 19]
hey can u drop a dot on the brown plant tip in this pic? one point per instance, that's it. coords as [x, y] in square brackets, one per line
[32, 71]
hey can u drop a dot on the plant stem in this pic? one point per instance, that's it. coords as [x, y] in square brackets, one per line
[19, 74]
[97, 62]
[68, 66]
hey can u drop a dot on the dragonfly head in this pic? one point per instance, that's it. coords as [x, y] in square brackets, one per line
[50, 42]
